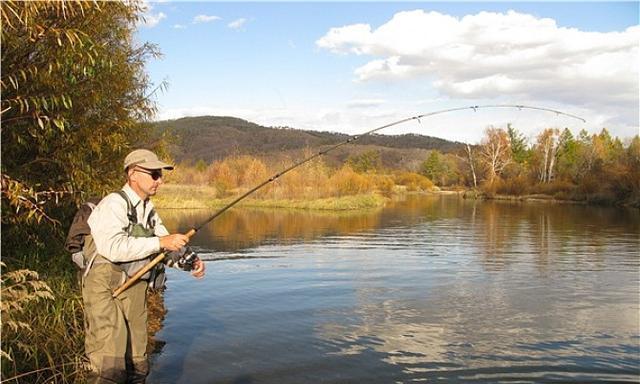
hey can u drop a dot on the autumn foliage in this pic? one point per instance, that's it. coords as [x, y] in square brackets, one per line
[313, 180]
[595, 168]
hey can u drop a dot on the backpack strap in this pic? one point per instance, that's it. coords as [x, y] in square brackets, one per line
[150, 221]
[131, 210]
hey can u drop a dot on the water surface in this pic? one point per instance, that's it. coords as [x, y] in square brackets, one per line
[431, 288]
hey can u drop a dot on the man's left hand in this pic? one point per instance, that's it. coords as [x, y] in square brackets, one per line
[198, 269]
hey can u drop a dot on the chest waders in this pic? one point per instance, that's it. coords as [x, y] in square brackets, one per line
[116, 329]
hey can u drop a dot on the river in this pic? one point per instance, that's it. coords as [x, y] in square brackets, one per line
[427, 289]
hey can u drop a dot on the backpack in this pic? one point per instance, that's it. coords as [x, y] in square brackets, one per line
[78, 230]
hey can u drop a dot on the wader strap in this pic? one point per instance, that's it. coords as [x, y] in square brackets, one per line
[131, 210]
[132, 214]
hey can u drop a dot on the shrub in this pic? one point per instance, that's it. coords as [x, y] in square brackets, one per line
[384, 184]
[490, 188]
[554, 187]
[221, 176]
[514, 186]
[346, 181]
[413, 181]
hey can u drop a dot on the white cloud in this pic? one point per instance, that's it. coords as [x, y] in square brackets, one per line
[365, 103]
[493, 56]
[179, 26]
[238, 23]
[150, 19]
[205, 19]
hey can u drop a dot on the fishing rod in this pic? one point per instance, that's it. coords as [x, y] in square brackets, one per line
[351, 139]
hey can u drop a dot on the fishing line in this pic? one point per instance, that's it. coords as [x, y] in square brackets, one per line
[351, 139]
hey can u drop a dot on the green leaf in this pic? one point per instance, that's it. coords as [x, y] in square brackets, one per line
[59, 123]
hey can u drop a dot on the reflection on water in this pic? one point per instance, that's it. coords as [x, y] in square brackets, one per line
[432, 288]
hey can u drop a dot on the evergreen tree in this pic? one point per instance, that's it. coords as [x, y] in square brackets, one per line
[568, 154]
[435, 168]
[519, 147]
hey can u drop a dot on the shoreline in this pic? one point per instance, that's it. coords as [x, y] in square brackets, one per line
[177, 196]
[544, 198]
[182, 196]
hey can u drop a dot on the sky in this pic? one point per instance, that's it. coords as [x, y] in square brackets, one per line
[353, 67]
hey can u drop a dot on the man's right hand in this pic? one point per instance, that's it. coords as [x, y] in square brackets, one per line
[173, 242]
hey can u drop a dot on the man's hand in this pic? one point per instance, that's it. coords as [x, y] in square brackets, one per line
[173, 242]
[198, 269]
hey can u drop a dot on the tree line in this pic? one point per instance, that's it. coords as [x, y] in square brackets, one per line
[595, 168]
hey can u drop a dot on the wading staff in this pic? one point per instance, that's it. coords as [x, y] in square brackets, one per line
[193, 230]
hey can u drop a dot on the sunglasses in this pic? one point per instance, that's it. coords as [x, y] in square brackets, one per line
[155, 174]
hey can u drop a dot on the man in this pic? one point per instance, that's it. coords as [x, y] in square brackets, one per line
[125, 234]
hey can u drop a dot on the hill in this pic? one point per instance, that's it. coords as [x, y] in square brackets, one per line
[211, 138]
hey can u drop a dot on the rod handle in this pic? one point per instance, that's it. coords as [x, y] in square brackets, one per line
[145, 269]
[138, 275]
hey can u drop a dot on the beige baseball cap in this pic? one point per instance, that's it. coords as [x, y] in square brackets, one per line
[145, 159]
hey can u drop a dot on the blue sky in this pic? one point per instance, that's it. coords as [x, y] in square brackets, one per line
[351, 67]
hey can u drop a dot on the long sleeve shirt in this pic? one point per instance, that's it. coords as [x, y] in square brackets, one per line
[109, 223]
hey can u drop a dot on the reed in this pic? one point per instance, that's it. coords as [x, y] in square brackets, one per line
[43, 321]
[42, 327]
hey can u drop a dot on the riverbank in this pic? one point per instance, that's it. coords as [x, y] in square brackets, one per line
[43, 334]
[181, 196]
[177, 196]
[557, 198]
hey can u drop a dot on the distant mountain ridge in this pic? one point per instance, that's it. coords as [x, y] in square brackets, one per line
[212, 138]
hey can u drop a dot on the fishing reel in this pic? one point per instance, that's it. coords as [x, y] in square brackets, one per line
[185, 258]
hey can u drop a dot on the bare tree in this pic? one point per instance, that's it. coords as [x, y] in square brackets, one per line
[495, 151]
[547, 147]
[473, 169]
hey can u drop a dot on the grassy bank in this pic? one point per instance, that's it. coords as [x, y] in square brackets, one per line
[43, 335]
[522, 198]
[176, 196]
[43, 320]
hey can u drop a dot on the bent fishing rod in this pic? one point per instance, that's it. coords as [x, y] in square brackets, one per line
[351, 139]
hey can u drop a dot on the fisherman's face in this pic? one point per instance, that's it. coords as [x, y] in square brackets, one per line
[146, 181]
